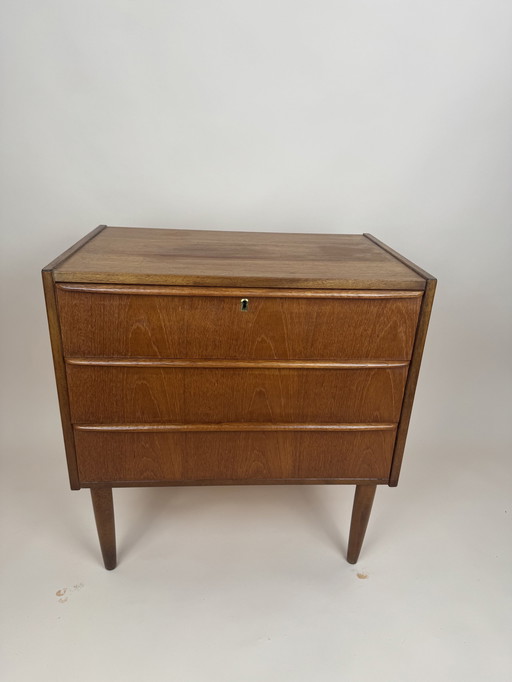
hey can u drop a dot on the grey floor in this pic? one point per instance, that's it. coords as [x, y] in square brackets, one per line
[251, 584]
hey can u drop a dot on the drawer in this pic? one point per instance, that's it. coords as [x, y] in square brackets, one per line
[248, 456]
[124, 394]
[163, 322]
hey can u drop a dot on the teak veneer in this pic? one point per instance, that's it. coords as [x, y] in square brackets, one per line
[187, 357]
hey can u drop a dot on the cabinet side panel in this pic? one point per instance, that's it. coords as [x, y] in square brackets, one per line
[412, 380]
[60, 377]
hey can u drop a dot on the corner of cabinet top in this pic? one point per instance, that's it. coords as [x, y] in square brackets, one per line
[132, 255]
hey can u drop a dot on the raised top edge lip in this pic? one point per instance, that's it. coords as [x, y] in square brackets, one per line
[401, 259]
[59, 260]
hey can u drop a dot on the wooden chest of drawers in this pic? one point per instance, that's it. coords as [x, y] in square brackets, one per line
[207, 358]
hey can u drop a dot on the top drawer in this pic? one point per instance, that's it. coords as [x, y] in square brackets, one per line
[195, 322]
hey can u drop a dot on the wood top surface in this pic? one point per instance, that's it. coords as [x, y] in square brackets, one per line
[222, 258]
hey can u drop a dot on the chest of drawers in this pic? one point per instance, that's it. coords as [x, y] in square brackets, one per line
[211, 358]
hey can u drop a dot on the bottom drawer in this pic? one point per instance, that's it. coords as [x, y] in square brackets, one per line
[121, 456]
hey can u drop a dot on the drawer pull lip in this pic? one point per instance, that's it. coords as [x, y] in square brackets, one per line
[235, 364]
[220, 292]
[240, 426]
[236, 481]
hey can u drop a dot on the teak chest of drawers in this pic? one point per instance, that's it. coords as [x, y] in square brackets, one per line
[209, 358]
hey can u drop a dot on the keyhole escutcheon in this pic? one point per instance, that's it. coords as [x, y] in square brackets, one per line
[244, 305]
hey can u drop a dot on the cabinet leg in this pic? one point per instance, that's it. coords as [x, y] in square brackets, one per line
[103, 506]
[363, 501]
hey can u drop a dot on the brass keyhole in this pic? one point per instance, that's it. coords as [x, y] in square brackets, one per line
[244, 305]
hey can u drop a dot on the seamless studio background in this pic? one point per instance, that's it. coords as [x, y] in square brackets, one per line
[391, 117]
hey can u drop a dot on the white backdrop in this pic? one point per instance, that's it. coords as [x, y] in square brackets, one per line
[386, 116]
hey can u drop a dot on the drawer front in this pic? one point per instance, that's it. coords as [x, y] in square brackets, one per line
[131, 394]
[197, 326]
[233, 456]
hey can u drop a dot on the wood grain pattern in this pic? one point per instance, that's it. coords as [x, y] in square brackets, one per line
[107, 394]
[174, 456]
[214, 258]
[203, 327]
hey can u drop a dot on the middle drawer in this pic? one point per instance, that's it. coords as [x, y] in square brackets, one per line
[110, 394]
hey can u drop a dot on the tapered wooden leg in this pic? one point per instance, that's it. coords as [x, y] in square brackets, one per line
[103, 506]
[363, 501]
